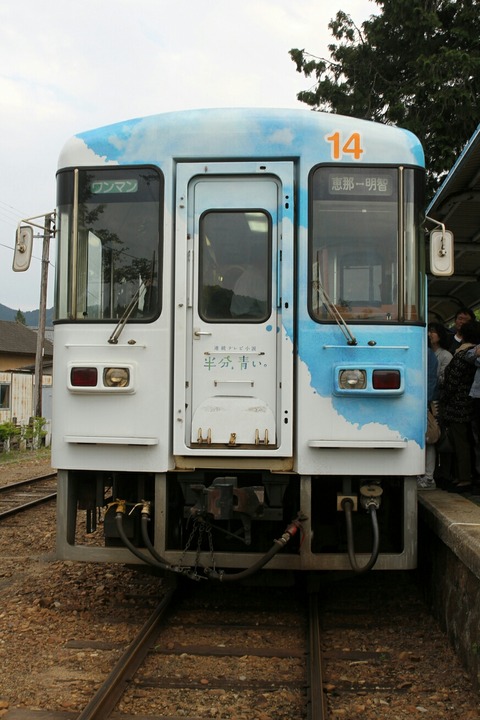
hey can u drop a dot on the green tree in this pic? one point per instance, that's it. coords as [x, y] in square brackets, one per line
[20, 318]
[416, 64]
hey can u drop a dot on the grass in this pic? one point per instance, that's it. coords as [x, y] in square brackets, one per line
[17, 457]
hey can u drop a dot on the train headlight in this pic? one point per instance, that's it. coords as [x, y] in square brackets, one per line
[116, 377]
[352, 379]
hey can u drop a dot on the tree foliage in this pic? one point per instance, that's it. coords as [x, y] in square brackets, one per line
[20, 318]
[416, 64]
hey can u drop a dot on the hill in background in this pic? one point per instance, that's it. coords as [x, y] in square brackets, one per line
[31, 316]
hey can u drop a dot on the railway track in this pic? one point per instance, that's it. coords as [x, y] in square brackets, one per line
[213, 650]
[352, 650]
[20, 496]
[359, 652]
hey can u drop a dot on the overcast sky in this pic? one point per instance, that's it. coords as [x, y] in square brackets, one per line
[70, 66]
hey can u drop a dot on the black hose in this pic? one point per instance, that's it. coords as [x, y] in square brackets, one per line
[158, 562]
[144, 558]
[276, 547]
[148, 543]
[233, 577]
[347, 505]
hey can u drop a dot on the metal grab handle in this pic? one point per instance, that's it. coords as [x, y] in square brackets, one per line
[230, 382]
[197, 333]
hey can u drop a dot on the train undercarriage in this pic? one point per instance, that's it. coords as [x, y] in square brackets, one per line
[216, 524]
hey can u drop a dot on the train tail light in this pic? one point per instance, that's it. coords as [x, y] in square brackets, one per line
[83, 376]
[102, 378]
[386, 379]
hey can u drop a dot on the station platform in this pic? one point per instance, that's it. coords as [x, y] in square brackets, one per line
[449, 569]
[455, 519]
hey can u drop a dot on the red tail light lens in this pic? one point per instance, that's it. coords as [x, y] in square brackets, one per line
[386, 379]
[83, 376]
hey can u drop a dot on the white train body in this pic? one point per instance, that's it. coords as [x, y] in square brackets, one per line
[240, 336]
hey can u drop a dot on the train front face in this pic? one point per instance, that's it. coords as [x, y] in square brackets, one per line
[227, 415]
[362, 354]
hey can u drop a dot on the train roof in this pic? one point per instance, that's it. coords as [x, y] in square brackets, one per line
[236, 133]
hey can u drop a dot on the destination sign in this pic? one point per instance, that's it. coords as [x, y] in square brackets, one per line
[114, 187]
[360, 184]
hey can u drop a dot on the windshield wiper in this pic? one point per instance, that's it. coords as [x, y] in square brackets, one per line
[113, 339]
[336, 315]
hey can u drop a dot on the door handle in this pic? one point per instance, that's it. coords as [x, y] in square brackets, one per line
[197, 333]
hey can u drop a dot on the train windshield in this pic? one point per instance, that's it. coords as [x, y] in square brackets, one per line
[108, 244]
[364, 244]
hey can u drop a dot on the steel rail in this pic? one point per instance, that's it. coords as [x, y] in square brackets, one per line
[316, 707]
[22, 483]
[38, 500]
[26, 506]
[112, 689]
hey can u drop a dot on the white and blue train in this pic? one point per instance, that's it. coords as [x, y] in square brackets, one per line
[240, 343]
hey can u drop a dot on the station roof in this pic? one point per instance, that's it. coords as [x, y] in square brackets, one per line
[457, 206]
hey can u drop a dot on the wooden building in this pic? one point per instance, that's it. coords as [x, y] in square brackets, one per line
[18, 345]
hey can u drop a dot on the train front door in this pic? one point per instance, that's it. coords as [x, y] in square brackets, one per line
[237, 364]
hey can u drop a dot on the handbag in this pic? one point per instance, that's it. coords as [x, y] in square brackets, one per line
[444, 443]
[433, 429]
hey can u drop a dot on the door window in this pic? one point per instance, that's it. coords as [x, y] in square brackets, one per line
[234, 266]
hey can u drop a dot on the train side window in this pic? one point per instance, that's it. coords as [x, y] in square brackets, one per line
[366, 244]
[234, 266]
[354, 240]
[414, 244]
[109, 246]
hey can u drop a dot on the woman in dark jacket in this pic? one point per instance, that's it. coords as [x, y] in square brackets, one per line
[456, 405]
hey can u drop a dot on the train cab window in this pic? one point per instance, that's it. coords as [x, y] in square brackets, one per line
[109, 246]
[234, 266]
[363, 244]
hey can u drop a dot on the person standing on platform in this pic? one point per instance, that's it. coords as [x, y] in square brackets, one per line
[462, 316]
[438, 337]
[438, 341]
[456, 405]
[473, 356]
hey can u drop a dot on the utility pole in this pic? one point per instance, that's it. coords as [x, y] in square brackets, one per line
[42, 316]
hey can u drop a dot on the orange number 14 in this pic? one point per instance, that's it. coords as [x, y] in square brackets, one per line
[352, 146]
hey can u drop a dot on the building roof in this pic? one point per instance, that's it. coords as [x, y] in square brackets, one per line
[457, 205]
[19, 339]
